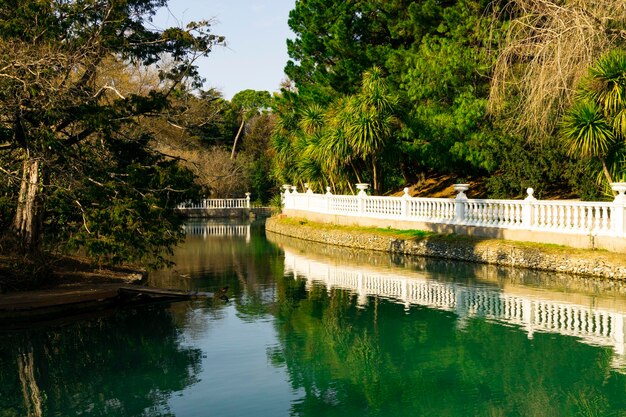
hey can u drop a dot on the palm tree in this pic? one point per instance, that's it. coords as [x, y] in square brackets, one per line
[322, 144]
[595, 125]
[372, 122]
[589, 134]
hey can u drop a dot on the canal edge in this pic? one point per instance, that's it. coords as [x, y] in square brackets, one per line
[594, 263]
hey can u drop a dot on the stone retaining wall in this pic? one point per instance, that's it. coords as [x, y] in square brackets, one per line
[490, 251]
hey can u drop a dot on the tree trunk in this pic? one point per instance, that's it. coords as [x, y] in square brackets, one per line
[606, 172]
[356, 173]
[27, 222]
[374, 176]
[232, 154]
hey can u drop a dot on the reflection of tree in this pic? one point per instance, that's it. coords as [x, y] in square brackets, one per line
[30, 390]
[381, 360]
[247, 266]
[127, 364]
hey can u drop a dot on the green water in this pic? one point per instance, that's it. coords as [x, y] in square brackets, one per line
[311, 330]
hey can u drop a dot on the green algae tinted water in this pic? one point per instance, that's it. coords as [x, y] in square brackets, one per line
[313, 330]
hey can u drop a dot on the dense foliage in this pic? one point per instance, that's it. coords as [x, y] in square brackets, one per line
[447, 67]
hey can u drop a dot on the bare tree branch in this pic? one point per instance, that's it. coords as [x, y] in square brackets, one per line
[547, 49]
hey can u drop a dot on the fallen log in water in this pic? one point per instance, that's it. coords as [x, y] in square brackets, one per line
[16, 309]
[163, 292]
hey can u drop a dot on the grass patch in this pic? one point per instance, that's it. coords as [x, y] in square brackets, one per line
[388, 231]
[403, 233]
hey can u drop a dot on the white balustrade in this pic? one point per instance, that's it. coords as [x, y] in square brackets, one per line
[216, 203]
[436, 210]
[575, 217]
[495, 213]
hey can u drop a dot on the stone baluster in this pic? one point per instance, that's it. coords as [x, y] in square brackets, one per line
[295, 201]
[307, 194]
[248, 200]
[527, 209]
[618, 210]
[459, 202]
[405, 203]
[285, 195]
[327, 198]
[361, 196]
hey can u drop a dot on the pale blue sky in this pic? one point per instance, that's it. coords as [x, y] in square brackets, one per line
[256, 32]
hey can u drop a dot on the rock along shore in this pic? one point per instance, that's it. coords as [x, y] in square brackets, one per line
[490, 251]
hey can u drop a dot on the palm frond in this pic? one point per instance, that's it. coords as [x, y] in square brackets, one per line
[587, 130]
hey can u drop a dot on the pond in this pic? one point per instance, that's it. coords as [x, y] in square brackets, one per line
[313, 330]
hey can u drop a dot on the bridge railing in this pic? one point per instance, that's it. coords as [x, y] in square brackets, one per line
[574, 217]
[216, 203]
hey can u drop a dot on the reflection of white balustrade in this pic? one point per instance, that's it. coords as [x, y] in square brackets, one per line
[218, 230]
[595, 326]
[574, 217]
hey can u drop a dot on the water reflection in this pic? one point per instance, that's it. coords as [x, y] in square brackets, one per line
[220, 253]
[494, 293]
[125, 364]
[208, 229]
[355, 334]
[378, 335]
[226, 253]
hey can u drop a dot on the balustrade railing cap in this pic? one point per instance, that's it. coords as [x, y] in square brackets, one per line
[620, 188]
[460, 189]
[362, 186]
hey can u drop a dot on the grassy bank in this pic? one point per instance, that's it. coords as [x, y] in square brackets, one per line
[400, 234]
